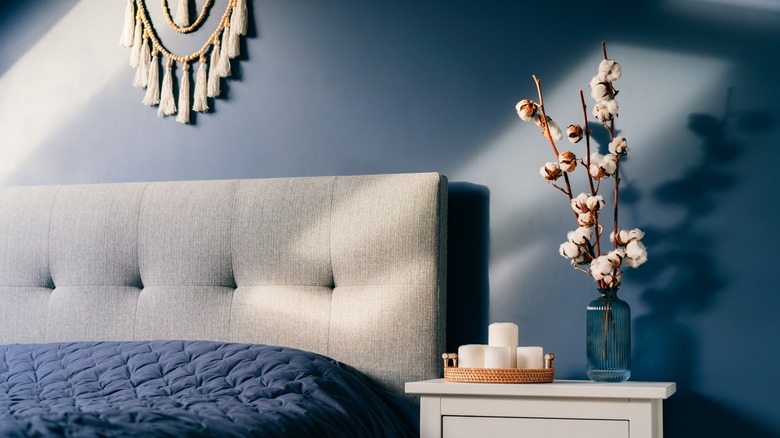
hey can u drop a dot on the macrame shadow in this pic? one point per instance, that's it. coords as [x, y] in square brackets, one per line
[468, 244]
[686, 273]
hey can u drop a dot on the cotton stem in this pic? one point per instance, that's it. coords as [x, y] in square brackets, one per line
[593, 189]
[548, 136]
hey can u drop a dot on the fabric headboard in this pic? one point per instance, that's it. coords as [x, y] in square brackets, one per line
[352, 267]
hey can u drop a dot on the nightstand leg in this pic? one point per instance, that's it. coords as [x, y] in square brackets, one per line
[646, 418]
[430, 417]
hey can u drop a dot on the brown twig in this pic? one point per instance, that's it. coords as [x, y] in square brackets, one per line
[617, 187]
[548, 136]
[545, 128]
[593, 189]
[611, 129]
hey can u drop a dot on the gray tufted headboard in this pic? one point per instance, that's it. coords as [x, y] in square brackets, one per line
[351, 267]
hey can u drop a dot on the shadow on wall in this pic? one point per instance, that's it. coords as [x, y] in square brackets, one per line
[685, 272]
[468, 241]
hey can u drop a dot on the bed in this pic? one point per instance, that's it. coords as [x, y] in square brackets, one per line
[257, 307]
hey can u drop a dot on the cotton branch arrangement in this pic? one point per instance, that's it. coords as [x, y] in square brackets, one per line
[582, 246]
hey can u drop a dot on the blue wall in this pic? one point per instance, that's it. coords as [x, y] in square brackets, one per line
[351, 87]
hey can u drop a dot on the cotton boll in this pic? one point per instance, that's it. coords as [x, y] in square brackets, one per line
[586, 219]
[578, 204]
[568, 161]
[574, 133]
[555, 131]
[612, 108]
[569, 250]
[610, 69]
[600, 267]
[580, 236]
[584, 258]
[599, 89]
[636, 253]
[636, 234]
[595, 203]
[616, 257]
[614, 72]
[551, 171]
[596, 172]
[621, 238]
[605, 66]
[609, 164]
[601, 112]
[526, 109]
[618, 146]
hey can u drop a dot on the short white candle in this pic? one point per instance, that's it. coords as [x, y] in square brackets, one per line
[504, 334]
[471, 356]
[498, 357]
[530, 357]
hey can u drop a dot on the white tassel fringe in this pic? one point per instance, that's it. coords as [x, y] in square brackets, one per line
[126, 39]
[200, 97]
[184, 96]
[234, 43]
[238, 21]
[213, 85]
[223, 66]
[182, 18]
[167, 101]
[141, 79]
[135, 51]
[152, 96]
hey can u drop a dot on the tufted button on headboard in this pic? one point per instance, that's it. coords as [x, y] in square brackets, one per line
[352, 267]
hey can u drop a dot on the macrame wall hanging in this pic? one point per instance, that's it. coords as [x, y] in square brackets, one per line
[147, 50]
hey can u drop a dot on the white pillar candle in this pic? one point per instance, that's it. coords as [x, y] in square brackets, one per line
[530, 357]
[504, 334]
[498, 357]
[471, 356]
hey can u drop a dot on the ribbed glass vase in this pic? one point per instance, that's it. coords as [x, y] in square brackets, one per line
[609, 338]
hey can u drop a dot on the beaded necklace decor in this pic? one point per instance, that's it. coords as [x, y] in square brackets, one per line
[147, 49]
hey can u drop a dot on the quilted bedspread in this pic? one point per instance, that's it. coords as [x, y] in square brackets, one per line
[190, 388]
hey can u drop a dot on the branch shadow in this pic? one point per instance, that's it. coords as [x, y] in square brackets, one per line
[686, 277]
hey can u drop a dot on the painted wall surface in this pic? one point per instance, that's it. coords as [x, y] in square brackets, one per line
[351, 87]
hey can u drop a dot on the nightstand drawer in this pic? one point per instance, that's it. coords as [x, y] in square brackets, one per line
[455, 427]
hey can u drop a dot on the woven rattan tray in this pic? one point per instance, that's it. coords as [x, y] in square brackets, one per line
[452, 373]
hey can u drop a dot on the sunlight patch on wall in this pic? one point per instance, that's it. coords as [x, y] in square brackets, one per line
[658, 91]
[51, 82]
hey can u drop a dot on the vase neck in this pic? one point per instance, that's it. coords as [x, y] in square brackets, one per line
[610, 293]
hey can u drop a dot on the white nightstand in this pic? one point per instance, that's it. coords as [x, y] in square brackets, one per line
[564, 408]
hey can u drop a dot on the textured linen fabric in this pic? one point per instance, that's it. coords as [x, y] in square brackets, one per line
[294, 316]
[281, 232]
[190, 389]
[352, 267]
[23, 314]
[184, 234]
[93, 235]
[97, 313]
[25, 214]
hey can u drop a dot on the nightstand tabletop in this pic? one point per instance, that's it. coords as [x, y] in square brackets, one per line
[558, 388]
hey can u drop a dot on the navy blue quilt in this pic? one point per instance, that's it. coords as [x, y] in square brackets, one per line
[190, 388]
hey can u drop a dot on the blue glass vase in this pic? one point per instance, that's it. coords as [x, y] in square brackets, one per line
[609, 338]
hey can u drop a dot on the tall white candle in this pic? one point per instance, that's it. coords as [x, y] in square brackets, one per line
[530, 357]
[498, 357]
[504, 334]
[471, 356]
